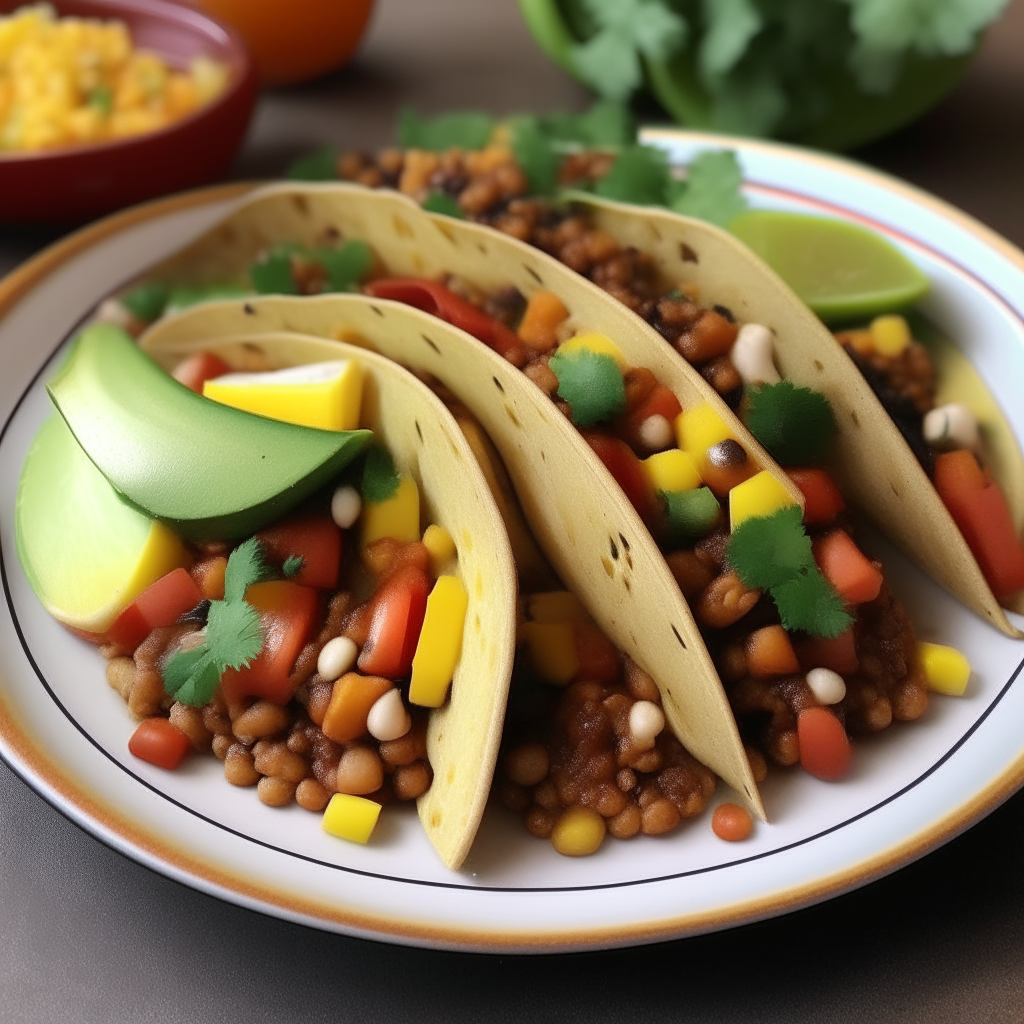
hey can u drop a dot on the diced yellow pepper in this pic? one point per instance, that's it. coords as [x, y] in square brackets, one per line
[556, 606]
[946, 670]
[552, 647]
[672, 470]
[398, 517]
[697, 429]
[438, 542]
[437, 652]
[761, 495]
[351, 817]
[596, 343]
[324, 395]
[890, 334]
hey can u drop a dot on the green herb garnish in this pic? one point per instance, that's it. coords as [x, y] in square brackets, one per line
[319, 166]
[380, 478]
[794, 424]
[146, 302]
[606, 125]
[441, 202]
[101, 99]
[272, 273]
[773, 553]
[639, 175]
[711, 189]
[465, 130]
[536, 154]
[292, 566]
[591, 382]
[234, 636]
[345, 266]
[691, 514]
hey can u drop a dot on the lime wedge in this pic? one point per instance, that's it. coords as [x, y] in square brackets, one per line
[842, 271]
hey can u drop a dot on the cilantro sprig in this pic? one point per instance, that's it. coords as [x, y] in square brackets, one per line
[234, 636]
[380, 477]
[794, 424]
[773, 553]
[592, 383]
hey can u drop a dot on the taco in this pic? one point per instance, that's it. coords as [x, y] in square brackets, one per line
[246, 645]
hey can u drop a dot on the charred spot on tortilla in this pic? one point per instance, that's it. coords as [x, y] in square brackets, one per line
[249, 309]
[432, 344]
[511, 415]
[608, 567]
[419, 433]
[818, 366]
[533, 273]
[301, 204]
[614, 548]
[682, 643]
[726, 312]
[497, 384]
[853, 416]
[686, 254]
[332, 234]
[377, 310]
[625, 543]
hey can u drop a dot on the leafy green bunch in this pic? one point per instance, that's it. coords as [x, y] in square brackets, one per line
[774, 553]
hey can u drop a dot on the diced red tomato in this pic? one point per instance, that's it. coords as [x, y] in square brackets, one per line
[313, 537]
[625, 467]
[398, 609]
[161, 604]
[194, 371]
[838, 654]
[287, 614]
[160, 743]
[824, 745]
[596, 655]
[823, 502]
[660, 402]
[979, 509]
[847, 568]
[434, 298]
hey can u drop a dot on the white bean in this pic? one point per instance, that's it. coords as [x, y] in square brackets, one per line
[752, 355]
[388, 719]
[656, 433]
[646, 720]
[336, 658]
[827, 686]
[951, 426]
[346, 506]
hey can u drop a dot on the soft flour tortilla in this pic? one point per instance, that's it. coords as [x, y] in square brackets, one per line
[582, 520]
[871, 461]
[463, 736]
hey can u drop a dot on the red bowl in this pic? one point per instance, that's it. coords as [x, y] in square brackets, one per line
[79, 182]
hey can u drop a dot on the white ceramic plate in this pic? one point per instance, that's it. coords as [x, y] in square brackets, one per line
[913, 787]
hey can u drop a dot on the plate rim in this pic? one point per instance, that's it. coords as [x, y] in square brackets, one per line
[34, 767]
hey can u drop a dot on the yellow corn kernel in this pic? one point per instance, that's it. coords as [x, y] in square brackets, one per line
[556, 606]
[438, 541]
[552, 647]
[697, 429]
[596, 343]
[945, 668]
[761, 495]
[324, 395]
[578, 832]
[437, 652]
[351, 817]
[671, 471]
[398, 517]
[890, 334]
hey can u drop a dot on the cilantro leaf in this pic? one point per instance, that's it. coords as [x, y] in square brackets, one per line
[794, 424]
[731, 25]
[768, 551]
[246, 566]
[345, 266]
[321, 165]
[292, 566]
[272, 273]
[146, 302]
[101, 99]
[535, 153]
[191, 677]
[608, 123]
[465, 130]
[234, 635]
[640, 175]
[441, 202]
[810, 603]
[380, 478]
[591, 382]
[711, 190]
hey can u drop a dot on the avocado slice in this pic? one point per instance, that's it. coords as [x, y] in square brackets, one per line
[210, 472]
[85, 552]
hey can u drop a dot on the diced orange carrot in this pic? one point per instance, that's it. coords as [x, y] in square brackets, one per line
[824, 745]
[847, 568]
[722, 479]
[539, 326]
[351, 699]
[838, 653]
[160, 743]
[209, 577]
[822, 500]
[770, 653]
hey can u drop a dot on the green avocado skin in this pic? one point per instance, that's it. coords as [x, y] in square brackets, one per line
[210, 472]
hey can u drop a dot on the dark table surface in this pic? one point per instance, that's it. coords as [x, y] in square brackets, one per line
[87, 935]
